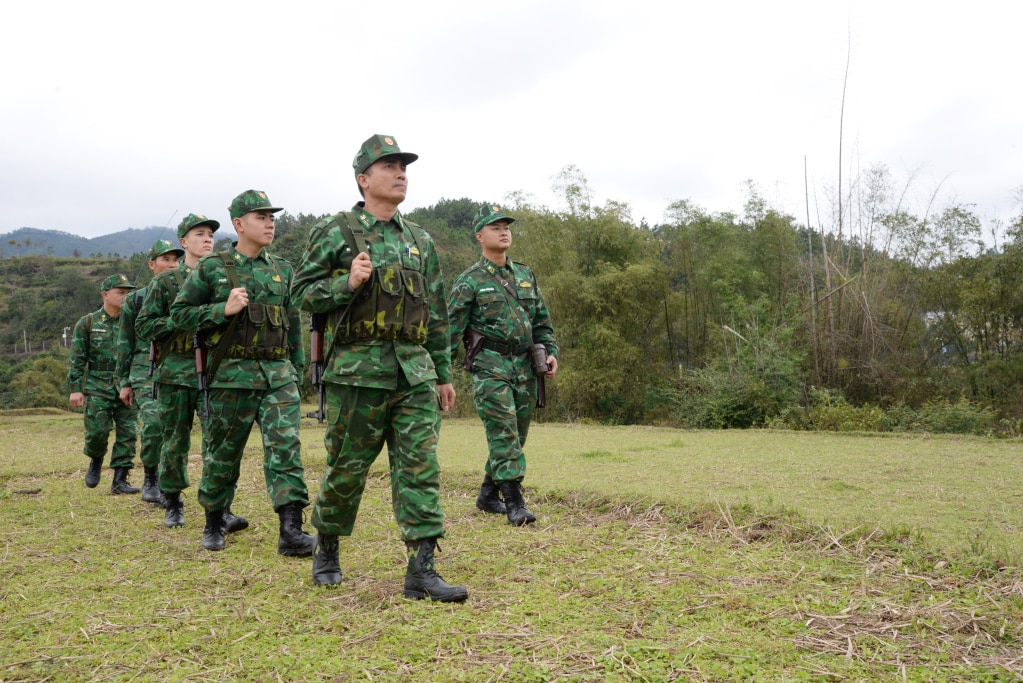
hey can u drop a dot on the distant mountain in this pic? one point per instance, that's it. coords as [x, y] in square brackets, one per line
[25, 241]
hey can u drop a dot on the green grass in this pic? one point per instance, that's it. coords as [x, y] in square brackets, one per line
[658, 555]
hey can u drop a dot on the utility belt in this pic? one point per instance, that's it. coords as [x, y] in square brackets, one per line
[505, 348]
[108, 366]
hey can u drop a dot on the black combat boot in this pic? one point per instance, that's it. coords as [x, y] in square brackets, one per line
[489, 499]
[293, 542]
[213, 535]
[151, 488]
[92, 476]
[234, 522]
[518, 515]
[175, 515]
[120, 483]
[326, 565]
[423, 581]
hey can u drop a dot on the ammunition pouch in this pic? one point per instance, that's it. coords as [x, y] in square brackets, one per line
[392, 305]
[261, 334]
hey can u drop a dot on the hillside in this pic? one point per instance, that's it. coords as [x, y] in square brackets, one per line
[32, 241]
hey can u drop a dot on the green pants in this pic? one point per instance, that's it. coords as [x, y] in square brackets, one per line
[103, 415]
[150, 430]
[233, 412]
[361, 420]
[178, 406]
[505, 402]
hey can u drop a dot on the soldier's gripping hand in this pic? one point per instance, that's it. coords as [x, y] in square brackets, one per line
[77, 399]
[362, 268]
[127, 396]
[236, 301]
[552, 367]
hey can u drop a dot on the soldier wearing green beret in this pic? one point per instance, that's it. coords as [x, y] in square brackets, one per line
[501, 300]
[133, 373]
[240, 300]
[175, 375]
[91, 375]
[376, 277]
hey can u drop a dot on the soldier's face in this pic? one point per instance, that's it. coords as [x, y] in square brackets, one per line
[496, 236]
[163, 262]
[255, 227]
[115, 297]
[385, 180]
[198, 241]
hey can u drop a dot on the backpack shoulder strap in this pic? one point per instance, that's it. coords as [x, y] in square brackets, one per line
[353, 232]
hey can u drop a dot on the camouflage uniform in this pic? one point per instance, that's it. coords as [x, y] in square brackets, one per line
[378, 390]
[178, 385]
[133, 372]
[245, 390]
[92, 367]
[504, 387]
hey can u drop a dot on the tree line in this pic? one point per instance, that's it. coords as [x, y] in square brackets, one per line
[878, 316]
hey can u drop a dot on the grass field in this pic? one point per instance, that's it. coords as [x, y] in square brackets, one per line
[658, 555]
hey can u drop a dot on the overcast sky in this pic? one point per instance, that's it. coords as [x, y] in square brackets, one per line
[117, 115]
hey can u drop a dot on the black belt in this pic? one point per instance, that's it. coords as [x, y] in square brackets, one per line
[504, 348]
[108, 366]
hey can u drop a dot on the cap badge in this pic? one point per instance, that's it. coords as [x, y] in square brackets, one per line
[389, 141]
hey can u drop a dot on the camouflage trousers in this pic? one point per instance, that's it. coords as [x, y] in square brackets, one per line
[505, 403]
[232, 414]
[150, 429]
[103, 415]
[360, 421]
[178, 406]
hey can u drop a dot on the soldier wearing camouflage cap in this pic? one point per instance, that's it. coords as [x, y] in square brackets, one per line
[133, 373]
[386, 367]
[92, 367]
[501, 300]
[240, 301]
[175, 376]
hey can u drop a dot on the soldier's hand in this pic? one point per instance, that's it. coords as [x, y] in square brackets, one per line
[447, 396]
[552, 366]
[77, 399]
[236, 301]
[127, 396]
[362, 268]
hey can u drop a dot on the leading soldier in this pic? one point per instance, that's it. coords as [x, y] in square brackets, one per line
[91, 376]
[387, 366]
[240, 301]
[501, 300]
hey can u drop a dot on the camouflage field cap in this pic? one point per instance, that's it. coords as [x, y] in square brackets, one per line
[376, 148]
[491, 213]
[251, 200]
[194, 220]
[116, 280]
[161, 247]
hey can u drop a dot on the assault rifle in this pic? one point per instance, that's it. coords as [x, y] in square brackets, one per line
[200, 369]
[317, 326]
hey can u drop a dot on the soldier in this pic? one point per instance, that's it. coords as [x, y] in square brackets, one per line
[175, 375]
[240, 300]
[91, 367]
[134, 373]
[501, 300]
[387, 364]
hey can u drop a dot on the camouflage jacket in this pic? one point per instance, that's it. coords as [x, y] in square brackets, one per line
[132, 353]
[92, 364]
[479, 301]
[153, 322]
[200, 305]
[321, 286]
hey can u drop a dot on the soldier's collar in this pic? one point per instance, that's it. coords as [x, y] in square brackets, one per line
[368, 220]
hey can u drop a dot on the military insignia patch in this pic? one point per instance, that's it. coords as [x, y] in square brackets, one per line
[525, 284]
[389, 141]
